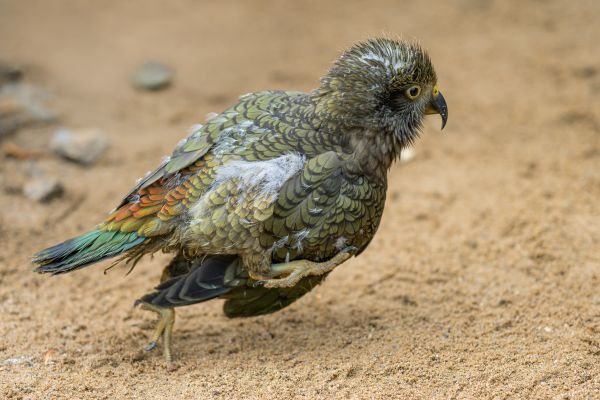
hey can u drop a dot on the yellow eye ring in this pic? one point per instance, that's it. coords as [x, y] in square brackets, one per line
[435, 91]
[413, 92]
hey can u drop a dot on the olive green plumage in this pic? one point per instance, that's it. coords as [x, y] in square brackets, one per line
[279, 176]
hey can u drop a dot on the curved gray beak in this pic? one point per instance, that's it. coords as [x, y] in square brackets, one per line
[438, 106]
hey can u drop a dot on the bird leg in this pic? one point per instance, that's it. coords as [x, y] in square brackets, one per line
[295, 270]
[164, 328]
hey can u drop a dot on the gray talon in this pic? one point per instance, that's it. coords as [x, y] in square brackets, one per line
[350, 249]
[151, 346]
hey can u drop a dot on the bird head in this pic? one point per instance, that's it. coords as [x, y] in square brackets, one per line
[384, 86]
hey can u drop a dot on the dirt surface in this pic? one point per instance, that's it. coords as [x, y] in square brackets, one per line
[482, 282]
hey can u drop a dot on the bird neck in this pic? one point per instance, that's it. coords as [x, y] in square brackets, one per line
[373, 151]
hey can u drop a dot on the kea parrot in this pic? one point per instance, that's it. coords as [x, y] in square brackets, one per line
[264, 200]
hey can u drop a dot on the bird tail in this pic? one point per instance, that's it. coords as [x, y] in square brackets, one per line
[198, 281]
[85, 250]
[190, 282]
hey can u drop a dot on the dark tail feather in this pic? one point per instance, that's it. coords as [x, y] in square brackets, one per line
[224, 276]
[251, 301]
[84, 250]
[212, 277]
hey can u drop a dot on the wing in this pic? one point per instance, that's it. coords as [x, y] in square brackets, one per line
[324, 209]
[261, 127]
[150, 208]
[187, 151]
[248, 130]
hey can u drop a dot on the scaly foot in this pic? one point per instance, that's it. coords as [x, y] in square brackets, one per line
[298, 269]
[164, 329]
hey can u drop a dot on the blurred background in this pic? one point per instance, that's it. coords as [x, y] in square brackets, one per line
[482, 281]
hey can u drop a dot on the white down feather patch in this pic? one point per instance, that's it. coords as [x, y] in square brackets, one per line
[265, 177]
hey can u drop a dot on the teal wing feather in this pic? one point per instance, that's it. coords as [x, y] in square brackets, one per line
[84, 250]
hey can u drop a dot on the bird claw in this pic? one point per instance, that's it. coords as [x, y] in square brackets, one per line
[274, 283]
[349, 249]
[163, 328]
[151, 346]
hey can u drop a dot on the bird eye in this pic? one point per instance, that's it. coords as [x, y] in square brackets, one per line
[413, 92]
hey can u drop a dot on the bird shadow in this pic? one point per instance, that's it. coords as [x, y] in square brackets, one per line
[310, 331]
[313, 326]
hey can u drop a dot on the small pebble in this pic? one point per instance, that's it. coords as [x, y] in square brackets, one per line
[18, 360]
[83, 147]
[31, 99]
[42, 189]
[22, 105]
[152, 76]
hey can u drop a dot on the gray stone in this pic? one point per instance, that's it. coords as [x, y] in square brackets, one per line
[22, 105]
[18, 360]
[83, 147]
[152, 76]
[42, 189]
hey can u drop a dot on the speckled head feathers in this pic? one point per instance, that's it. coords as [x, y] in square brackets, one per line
[385, 58]
[367, 87]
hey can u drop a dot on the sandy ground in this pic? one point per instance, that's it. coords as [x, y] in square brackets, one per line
[482, 282]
